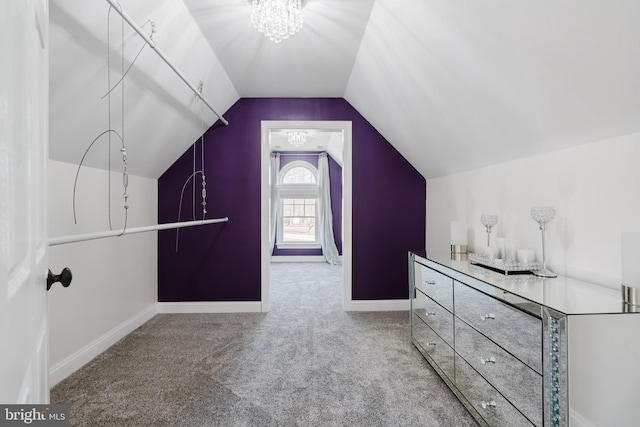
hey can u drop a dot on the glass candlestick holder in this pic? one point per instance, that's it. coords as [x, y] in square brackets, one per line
[488, 221]
[542, 215]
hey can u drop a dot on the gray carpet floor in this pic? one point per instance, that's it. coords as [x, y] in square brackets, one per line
[305, 363]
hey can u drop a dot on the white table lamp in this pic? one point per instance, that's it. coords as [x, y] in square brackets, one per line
[631, 268]
[459, 245]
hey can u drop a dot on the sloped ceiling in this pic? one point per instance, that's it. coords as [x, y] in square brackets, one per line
[453, 85]
[316, 62]
[457, 85]
[162, 117]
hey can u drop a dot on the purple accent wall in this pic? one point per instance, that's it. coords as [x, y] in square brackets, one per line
[221, 262]
[335, 177]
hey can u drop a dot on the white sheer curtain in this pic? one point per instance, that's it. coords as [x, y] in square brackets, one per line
[274, 168]
[329, 249]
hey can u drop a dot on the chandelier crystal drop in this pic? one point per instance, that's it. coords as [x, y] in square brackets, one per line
[277, 19]
[297, 139]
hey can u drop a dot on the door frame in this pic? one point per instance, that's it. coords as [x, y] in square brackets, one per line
[347, 190]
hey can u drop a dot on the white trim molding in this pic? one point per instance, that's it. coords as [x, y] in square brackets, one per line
[378, 305]
[89, 352]
[80, 358]
[298, 245]
[210, 307]
[347, 190]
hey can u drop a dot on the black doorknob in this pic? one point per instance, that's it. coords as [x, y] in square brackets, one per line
[64, 278]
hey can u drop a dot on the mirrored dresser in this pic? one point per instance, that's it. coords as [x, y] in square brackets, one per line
[523, 350]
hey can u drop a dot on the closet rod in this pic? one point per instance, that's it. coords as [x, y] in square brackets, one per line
[152, 44]
[54, 241]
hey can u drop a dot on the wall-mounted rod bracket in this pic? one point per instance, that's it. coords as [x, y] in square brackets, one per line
[118, 8]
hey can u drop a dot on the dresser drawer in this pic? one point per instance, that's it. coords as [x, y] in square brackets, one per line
[431, 344]
[520, 384]
[434, 315]
[436, 285]
[514, 330]
[490, 405]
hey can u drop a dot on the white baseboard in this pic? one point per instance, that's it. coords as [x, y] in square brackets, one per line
[210, 307]
[378, 305]
[83, 356]
[298, 258]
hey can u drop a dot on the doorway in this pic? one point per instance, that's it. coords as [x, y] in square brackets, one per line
[270, 128]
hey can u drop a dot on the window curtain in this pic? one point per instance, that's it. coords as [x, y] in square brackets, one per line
[329, 249]
[274, 168]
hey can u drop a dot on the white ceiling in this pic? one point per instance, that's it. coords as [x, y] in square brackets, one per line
[456, 85]
[315, 62]
[453, 85]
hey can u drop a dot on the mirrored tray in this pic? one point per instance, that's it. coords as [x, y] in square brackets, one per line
[503, 266]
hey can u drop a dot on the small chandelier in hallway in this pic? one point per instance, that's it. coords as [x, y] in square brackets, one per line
[297, 139]
[277, 19]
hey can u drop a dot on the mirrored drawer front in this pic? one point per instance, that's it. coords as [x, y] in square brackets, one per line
[433, 345]
[516, 331]
[492, 407]
[522, 303]
[438, 286]
[434, 315]
[515, 380]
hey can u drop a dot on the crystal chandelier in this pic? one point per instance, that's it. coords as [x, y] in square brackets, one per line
[297, 139]
[277, 19]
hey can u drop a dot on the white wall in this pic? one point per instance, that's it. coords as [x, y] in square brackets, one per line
[593, 187]
[114, 286]
[161, 112]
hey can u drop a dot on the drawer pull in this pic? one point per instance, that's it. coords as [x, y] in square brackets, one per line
[430, 282]
[487, 360]
[431, 343]
[489, 404]
[488, 316]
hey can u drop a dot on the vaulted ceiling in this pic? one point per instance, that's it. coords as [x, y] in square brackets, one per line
[453, 85]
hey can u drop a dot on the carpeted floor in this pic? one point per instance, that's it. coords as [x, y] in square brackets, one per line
[305, 363]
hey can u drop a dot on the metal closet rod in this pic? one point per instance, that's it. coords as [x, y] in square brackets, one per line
[152, 45]
[54, 241]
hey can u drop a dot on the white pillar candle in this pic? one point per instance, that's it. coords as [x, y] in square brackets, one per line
[480, 250]
[525, 256]
[458, 233]
[492, 252]
[631, 259]
[511, 249]
[500, 245]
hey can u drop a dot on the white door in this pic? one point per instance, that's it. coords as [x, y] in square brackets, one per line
[23, 245]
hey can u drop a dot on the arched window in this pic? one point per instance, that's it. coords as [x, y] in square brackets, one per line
[298, 214]
[299, 174]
